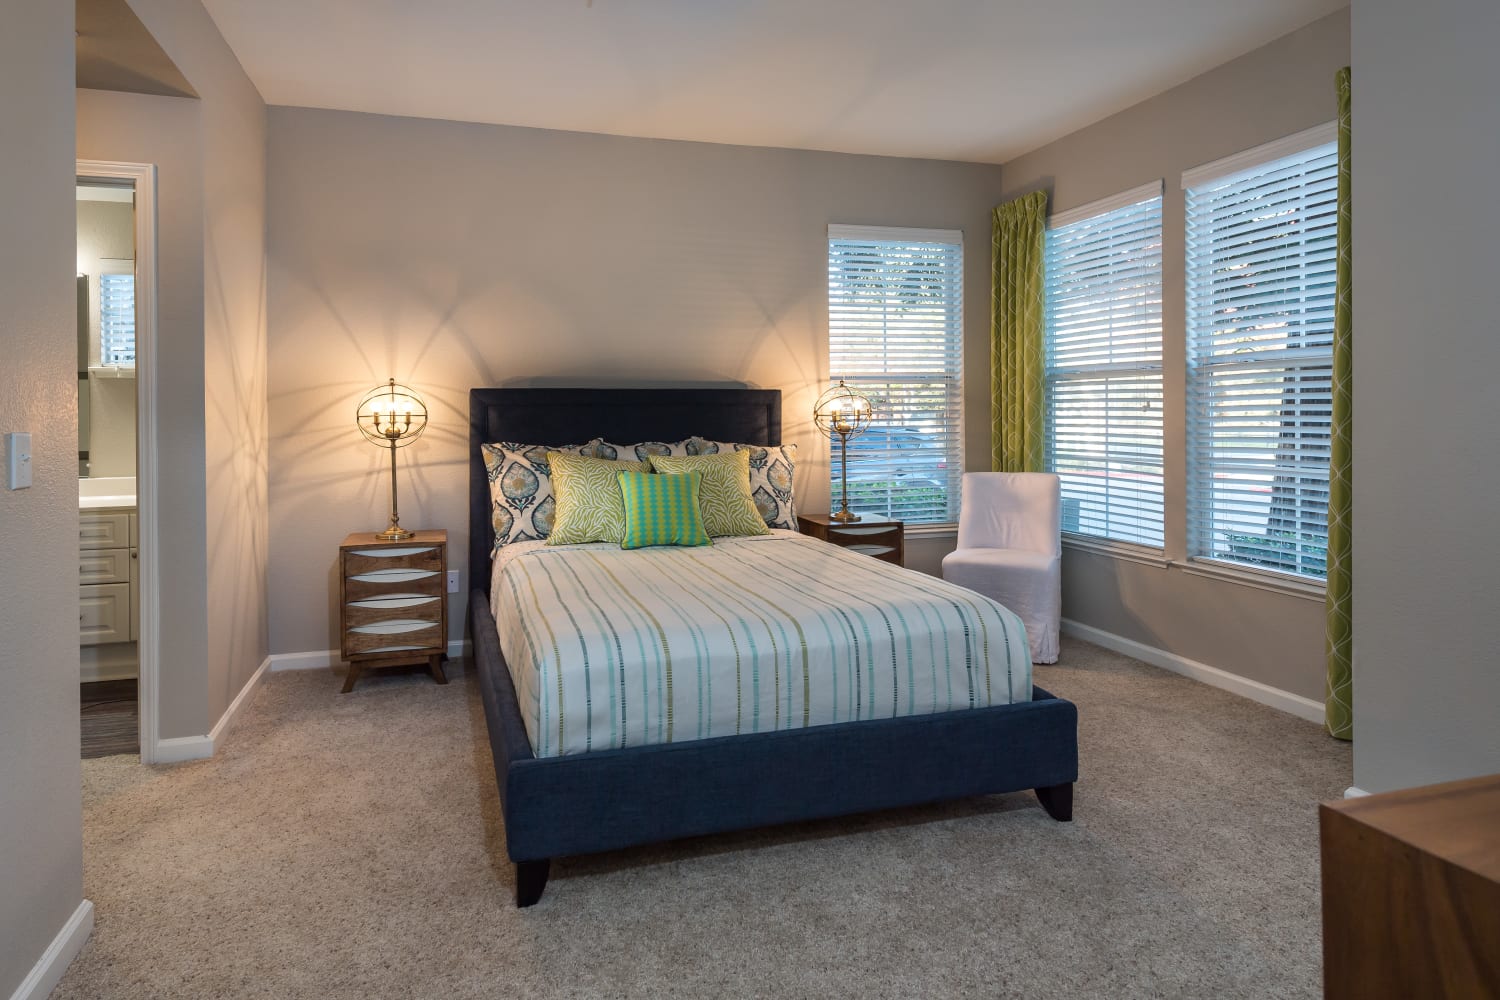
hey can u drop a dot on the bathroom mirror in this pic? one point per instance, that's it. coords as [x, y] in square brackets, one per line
[106, 330]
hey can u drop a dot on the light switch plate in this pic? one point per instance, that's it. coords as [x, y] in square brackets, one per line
[453, 581]
[17, 460]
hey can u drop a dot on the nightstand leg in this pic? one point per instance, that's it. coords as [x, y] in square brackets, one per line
[350, 678]
[435, 664]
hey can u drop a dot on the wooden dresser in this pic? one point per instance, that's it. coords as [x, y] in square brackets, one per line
[394, 606]
[875, 537]
[1411, 893]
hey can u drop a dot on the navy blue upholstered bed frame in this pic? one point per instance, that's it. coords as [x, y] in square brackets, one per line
[605, 800]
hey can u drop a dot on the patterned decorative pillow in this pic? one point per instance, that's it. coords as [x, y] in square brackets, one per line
[522, 507]
[662, 510]
[771, 471]
[641, 451]
[589, 505]
[724, 493]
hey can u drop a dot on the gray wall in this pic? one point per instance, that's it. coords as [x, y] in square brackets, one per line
[167, 131]
[210, 155]
[1276, 90]
[452, 256]
[41, 847]
[1426, 352]
[233, 415]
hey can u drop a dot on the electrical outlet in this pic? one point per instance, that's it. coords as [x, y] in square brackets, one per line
[453, 581]
[18, 460]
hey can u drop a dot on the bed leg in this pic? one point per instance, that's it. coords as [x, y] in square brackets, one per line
[531, 879]
[1057, 800]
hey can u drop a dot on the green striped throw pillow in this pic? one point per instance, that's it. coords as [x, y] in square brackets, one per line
[662, 510]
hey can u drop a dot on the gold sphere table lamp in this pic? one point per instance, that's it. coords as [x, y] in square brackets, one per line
[845, 412]
[392, 416]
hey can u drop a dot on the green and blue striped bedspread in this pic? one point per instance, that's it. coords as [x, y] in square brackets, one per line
[612, 648]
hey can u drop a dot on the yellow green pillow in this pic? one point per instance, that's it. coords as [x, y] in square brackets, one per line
[724, 494]
[661, 510]
[589, 506]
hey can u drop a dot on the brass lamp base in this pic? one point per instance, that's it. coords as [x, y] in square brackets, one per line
[395, 533]
[846, 516]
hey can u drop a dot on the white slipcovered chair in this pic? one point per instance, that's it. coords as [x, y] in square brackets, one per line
[1010, 549]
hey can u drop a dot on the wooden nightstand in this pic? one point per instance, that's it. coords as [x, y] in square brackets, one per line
[1411, 893]
[393, 603]
[873, 536]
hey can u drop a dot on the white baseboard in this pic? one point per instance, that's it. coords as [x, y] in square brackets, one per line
[322, 659]
[176, 749]
[181, 748]
[1295, 704]
[48, 970]
[1355, 792]
[313, 660]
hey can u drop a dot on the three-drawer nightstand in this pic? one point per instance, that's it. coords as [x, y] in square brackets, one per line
[393, 605]
[876, 537]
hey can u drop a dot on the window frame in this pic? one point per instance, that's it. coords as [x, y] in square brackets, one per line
[952, 348]
[1147, 370]
[1199, 561]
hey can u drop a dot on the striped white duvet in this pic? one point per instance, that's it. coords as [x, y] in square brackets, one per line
[614, 648]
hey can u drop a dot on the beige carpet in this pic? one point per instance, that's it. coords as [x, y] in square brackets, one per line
[349, 846]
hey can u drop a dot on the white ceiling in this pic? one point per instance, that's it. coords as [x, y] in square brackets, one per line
[980, 80]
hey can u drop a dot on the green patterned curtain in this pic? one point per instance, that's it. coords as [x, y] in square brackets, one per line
[1338, 707]
[1016, 335]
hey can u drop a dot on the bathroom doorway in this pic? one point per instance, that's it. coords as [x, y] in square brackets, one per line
[116, 233]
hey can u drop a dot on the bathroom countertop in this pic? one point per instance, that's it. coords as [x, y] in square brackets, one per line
[99, 503]
[103, 492]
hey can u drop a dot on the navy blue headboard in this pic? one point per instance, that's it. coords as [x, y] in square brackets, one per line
[624, 416]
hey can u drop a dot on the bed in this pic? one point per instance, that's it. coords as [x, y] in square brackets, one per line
[565, 801]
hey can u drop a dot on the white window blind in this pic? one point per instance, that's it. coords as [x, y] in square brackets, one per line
[1261, 254]
[895, 333]
[1103, 366]
[117, 320]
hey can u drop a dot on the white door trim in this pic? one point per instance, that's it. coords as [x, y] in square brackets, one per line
[148, 646]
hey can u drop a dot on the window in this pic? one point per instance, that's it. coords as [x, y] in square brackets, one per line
[1261, 255]
[1103, 365]
[895, 333]
[117, 320]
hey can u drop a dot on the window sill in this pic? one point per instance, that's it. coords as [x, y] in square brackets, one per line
[1276, 583]
[1143, 554]
[945, 530]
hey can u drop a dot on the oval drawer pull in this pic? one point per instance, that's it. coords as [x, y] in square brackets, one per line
[396, 626]
[423, 559]
[393, 553]
[395, 601]
[393, 575]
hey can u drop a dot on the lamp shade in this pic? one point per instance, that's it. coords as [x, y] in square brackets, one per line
[391, 415]
[843, 411]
